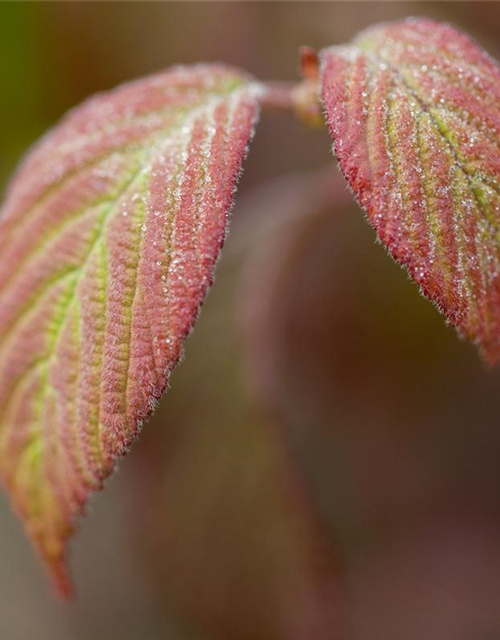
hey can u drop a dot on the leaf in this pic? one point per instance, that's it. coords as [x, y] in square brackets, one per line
[414, 111]
[108, 239]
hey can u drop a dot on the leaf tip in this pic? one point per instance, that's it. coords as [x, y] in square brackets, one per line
[62, 583]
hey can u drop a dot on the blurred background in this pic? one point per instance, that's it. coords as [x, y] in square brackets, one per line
[326, 462]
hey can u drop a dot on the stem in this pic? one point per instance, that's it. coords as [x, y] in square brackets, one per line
[301, 98]
[279, 95]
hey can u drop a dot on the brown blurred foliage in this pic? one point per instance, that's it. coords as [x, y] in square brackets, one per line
[392, 419]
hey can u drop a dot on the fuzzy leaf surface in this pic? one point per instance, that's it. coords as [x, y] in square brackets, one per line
[414, 112]
[109, 235]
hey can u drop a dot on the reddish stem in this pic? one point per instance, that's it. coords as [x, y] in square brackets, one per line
[278, 95]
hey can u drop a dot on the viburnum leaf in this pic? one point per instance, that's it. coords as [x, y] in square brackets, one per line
[414, 111]
[109, 235]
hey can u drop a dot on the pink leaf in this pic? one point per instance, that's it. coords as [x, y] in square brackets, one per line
[414, 112]
[109, 235]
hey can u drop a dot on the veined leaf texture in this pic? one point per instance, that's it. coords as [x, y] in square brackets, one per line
[413, 108]
[109, 235]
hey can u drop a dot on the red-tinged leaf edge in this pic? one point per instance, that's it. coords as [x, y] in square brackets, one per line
[413, 108]
[109, 235]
